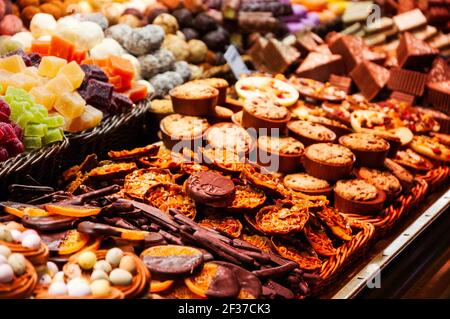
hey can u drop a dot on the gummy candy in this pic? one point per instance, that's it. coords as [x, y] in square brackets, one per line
[32, 142]
[35, 58]
[43, 96]
[53, 135]
[54, 121]
[20, 53]
[35, 130]
[120, 103]
[90, 118]
[50, 66]
[70, 105]
[74, 73]
[99, 94]
[13, 63]
[60, 84]
[93, 72]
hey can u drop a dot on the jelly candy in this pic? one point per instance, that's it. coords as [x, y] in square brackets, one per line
[54, 121]
[35, 130]
[90, 118]
[93, 72]
[23, 81]
[53, 135]
[50, 66]
[60, 84]
[43, 96]
[99, 94]
[70, 105]
[32, 142]
[35, 58]
[20, 53]
[74, 73]
[13, 63]
[120, 103]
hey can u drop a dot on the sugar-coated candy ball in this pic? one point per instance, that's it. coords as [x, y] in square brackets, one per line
[29, 232]
[45, 279]
[73, 271]
[100, 288]
[96, 17]
[52, 268]
[105, 48]
[182, 68]
[99, 274]
[32, 241]
[25, 38]
[78, 287]
[144, 40]
[90, 35]
[87, 260]
[10, 225]
[120, 277]
[119, 32]
[16, 234]
[18, 263]
[165, 82]
[6, 273]
[150, 88]
[42, 24]
[58, 288]
[131, 20]
[59, 276]
[128, 263]
[197, 51]
[3, 260]
[5, 251]
[5, 235]
[178, 47]
[113, 256]
[168, 22]
[103, 265]
[158, 62]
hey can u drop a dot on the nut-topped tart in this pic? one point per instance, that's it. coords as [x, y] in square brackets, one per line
[309, 133]
[265, 113]
[180, 129]
[370, 150]
[196, 99]
[282, 153]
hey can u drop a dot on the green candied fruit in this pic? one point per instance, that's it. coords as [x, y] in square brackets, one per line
[38, 117]
[19, 94]
[25, 118]
[54, 121]
[32, 142]
[7, 45]
[53, 135]
[35, 130]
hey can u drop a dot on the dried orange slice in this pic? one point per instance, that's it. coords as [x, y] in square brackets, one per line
[247, 198]
[36, 212]
[173, 196]
[67, 242]
[318, 238]
[214, 281]
[20, 210]
[227, 225]
[281, 220]
[164, 159]
[222, 159]
[112, 171]
[180, 291]
[72, 210]
[129, 234]
[148, 150]
[172, 260]
[336, 222]
[261, 242]
[140, 181]
[159, 286]
[297, 251]
[264, 180]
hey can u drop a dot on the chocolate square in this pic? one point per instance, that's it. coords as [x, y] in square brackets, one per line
[320, 66]
[407, 81]
[278, 57]
[370, 78]
[410, 20]
[403, 97]
[343, 83]
[350, 48]
[438, 95]
[440, 71]
[415, 54]
[307, 42]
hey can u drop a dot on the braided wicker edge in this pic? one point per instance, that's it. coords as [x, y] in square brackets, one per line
[437, 176]
[346, 253]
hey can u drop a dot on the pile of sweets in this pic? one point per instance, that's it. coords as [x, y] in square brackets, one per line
[10, 134]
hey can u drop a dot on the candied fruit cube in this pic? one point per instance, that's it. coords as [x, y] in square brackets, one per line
[13, 63]
[34, 129]
[43, 96]
[8, 132]
[99, 94]
[90, 118]
[94, 72]
[53, 135]
[17, 130]
[54, 121]
[120, 103]
[61, 48]
[70, 105]
[23, 81]
[32, 142]
[60, 84]
[25, 118]
[50, 66]
[74, 73]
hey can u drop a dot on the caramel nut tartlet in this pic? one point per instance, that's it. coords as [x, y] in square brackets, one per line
[195, 99]
[337, 127]
[310, 133]
[413, 161]
[328, 161]
[180, 129]
[285, 152]
[229, 136]
[264, 113]
[370, 150]
[221, 114]
[357, 196]
[220, 84]
[310, 185]
[385, 181]
[402, 174]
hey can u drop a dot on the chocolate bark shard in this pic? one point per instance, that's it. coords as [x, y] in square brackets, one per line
[278, 57]
[320, 66]
[414, 54]
[407, 81]
[370, 78]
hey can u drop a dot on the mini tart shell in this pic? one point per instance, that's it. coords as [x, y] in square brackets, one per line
[287, 163]
[368, 158]
[339, 128]
[389, 196]
[219, 84]
[324, 170]
[370, 207]
[250, 148]
[37, 256]
[192, 142]
[327, 191]
[200, 106]
[306, 140]
[250, 120]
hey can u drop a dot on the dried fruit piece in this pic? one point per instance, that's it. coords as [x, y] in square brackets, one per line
[72, 210]
[172, 260]
[261, 242]
[247, 198]
[336, 222]
[318, 238]
[173, 196]
[67, 242]
[160, 286]
[112, 171]
[149, 150]
[164, 159]
[227, 225]
[140, 181]
[281, 220]
[222, 159]
[298, 251]
[264, 180]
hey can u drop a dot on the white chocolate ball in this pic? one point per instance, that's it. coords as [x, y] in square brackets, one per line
[24, 38]
[42, 24]
[32, 241]
[58, 288]
[6, 273]
[78, 288]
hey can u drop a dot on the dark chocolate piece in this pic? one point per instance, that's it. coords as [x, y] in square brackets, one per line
[275, 271]
[224, 284]
[175, 265]
[211, 189]
[370, 78]
[403, 97]
[97, 229]
[415, 54]
[248, 282]
[320, 66]
[407, 81]
[49, 223]
[439, 96]
[273, 290]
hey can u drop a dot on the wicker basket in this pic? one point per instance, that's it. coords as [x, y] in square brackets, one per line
[436, 177]
[43, 165]
[120, 131]
[335, 267]
[393, 213]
